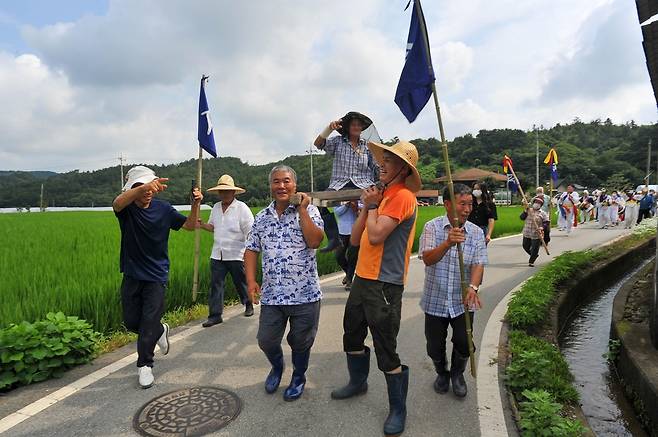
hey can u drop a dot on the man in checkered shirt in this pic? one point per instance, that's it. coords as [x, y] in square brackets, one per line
[442, 299]
[353, 167]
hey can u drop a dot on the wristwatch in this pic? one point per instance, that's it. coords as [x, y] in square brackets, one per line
[474, 287]
[372, 206]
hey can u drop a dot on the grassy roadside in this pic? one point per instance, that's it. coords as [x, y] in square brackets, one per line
[537, 374]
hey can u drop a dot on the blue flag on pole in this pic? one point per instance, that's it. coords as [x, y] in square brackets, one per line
[415, 85]
[206, 135]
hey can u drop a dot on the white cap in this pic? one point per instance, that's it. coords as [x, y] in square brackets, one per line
[138, 174]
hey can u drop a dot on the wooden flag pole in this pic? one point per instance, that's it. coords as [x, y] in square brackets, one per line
[550, 204]
[197, 231]
[451, 189]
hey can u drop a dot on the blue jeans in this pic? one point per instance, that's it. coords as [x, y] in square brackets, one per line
[218, 271]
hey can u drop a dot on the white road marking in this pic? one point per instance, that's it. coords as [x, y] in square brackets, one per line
[490, 404]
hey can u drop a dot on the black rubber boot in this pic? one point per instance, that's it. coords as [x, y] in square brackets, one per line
[457, 367]
[330, 229]
[397, 384]
[358, 366]
[298, 381]
[442, 382]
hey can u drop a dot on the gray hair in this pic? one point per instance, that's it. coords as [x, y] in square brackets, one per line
[540, 190]
[284, 168]
[460, 190]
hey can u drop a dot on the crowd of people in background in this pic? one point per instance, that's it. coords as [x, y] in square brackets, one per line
[618, 208]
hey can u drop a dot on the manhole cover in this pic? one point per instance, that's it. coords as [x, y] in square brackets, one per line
[188, 412]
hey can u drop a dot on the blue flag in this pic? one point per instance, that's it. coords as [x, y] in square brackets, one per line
[415, 86]
[554, 172]
[511, 183]
[206, 135]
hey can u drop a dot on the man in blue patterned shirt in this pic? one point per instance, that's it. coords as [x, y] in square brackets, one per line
[286, 236]
[354, 166]
[442, 299]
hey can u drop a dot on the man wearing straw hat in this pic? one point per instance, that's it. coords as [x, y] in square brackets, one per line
[442, 300]
[145, 224]
[230, 222]
[385, 232]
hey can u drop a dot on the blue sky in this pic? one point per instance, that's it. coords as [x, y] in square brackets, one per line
[83, 81]
[15, 14]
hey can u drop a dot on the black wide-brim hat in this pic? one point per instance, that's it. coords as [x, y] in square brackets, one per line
[346, 119]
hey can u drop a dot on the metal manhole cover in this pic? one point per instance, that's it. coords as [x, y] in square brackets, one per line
[188, 412]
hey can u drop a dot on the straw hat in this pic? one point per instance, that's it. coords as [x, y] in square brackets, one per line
[138, 174]
[406, 152]
[538, 199]
[225, 183]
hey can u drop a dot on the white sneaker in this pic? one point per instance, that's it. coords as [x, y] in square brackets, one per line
[163, 341]
[145, 376]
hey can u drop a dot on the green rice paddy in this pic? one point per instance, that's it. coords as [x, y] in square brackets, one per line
[69, 262]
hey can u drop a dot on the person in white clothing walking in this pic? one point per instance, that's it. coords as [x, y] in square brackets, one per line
[569, 201]
[604, 207]
[230, 222]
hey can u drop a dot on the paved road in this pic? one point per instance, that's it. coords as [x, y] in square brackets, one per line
[227, 355]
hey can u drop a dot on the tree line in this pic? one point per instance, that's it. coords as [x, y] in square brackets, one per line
[594, 154]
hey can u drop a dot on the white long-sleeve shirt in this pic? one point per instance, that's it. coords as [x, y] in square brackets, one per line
[231, 230]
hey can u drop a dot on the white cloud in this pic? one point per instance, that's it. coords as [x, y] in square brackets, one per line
[127, 81]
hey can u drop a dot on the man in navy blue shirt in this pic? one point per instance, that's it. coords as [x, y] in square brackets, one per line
[145, 223]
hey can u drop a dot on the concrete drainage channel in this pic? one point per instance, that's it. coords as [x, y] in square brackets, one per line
[584, 343]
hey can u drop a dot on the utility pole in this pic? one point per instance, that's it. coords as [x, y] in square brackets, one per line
[537, 155]
[646, 179]
[120, 158]
[310, 151]
[41, 207]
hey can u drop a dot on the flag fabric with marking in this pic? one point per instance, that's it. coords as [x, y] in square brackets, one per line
[551, 160]
[507, 169]
[206, 135]
[415, 85]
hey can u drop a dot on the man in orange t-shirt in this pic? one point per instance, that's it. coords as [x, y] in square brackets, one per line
[385, 232]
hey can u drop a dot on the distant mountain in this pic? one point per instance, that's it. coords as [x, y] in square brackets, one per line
[594, 154]
[36, 174]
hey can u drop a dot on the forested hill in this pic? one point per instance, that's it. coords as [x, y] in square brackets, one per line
[594, 154]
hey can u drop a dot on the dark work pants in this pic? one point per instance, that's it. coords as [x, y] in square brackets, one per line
[303, 320]
[531, 246]
[218, 271]
[143, 304]
[436, 332]
[644, 213]
[376, 305]
[346, 256]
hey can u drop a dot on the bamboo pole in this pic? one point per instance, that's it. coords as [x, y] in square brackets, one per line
[197, 231]
[451, 190]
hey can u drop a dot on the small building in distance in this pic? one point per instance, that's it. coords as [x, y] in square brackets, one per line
[427, 197]
[472, 175]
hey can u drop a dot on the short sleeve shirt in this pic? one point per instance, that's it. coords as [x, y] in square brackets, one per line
[290, 272]
[389, 261]
[350, 165]
[442, 294]
[482, 212]
[145, 239]
[231, 228]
